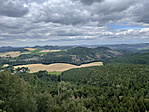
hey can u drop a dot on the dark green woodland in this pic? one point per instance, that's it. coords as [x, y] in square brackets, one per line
[110, 88]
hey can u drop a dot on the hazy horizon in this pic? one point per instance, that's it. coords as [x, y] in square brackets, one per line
[79, 45]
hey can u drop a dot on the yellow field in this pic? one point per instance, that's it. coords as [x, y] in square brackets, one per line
[17, 53]
[50, 50]
[30, 49]
[55, 50]
[57, 67]
[12, 54]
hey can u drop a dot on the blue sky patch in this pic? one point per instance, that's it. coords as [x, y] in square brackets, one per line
[125, 27]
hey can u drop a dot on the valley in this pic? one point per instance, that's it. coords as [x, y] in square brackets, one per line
[95, 79]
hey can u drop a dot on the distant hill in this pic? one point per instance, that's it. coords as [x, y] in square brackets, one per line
[53, 47]
[85, 55]
[131, 47]
[22, 49]
[120, 53]
[77, 56]
[82, 55]
[9, 48]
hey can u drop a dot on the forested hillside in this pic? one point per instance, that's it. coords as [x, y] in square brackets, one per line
[8, 49]
[53, 47]
[109, 88]
[135, 58]
[77, 56]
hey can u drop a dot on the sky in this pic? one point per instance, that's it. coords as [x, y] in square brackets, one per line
[73, 22]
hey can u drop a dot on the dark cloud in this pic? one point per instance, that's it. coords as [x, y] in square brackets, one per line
[69, 12]
[87, 2]
[13, 8]
[90, 2]
[141, 12]
[71, 20]
[70, 34]
[57, 12]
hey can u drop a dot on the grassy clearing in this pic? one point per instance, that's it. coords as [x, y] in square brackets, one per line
[64, 50]
[3, 53]
[45, 51]
[144, 48]
[38, 53]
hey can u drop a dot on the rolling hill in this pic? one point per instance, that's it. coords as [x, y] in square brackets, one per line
[76, 56]
[79, 55]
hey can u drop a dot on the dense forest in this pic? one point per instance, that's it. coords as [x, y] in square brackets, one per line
[133, 58]
[109, 88]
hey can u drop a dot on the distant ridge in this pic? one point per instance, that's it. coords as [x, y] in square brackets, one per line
[77, 56]
[131, 47]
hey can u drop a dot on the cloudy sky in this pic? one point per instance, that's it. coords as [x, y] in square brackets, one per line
[73, 22]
